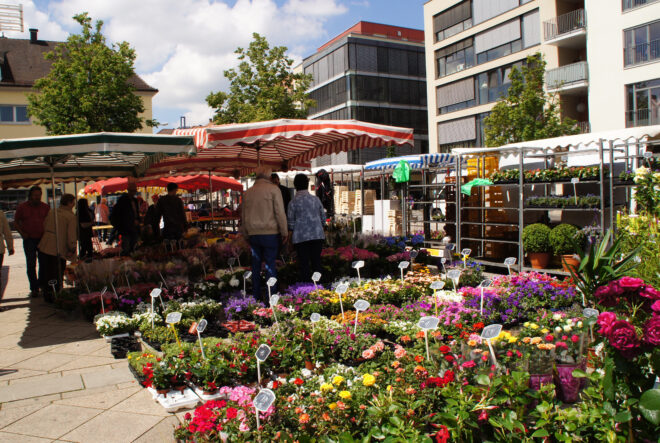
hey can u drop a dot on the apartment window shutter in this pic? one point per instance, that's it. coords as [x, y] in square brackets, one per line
[458, 92]
[531, 25]
[367, 58]
[457, 130]
[498, 36]
[487, 9]
[452, 16]
[453, 48]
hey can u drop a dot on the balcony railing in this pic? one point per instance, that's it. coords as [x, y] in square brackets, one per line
[643, 53]
[643, 117]
[584, 127]
[567, 75]
[564, 24]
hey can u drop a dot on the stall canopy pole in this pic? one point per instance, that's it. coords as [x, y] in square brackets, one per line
[521, 205]
[57, 237]
[211, 194]
[602, 186]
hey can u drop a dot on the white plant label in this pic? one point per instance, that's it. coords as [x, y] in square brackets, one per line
[648, 154]
[485, 283]
[428, 323]
[315, 317]
[155, 293]
[247, 275]
[231, 261]
[510, 261]
[466, 252]
[491, 331]
[590, 312]
[201, 326]
[358, 264]
[404, 265]
[575, 180]
[341, 288]
[450, 246]
[173, 317]
[443, 260]
[361, 305]
[454, 275]
[274, 299]
[316, 277]
[437, 285]
[263, 400]
[262, 353]
[271, 282]
[413, 254]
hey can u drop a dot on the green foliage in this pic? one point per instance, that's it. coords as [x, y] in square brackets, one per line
[647, 193]
[527, 112]
[564, 238]
[536, 238]
[600, 264]
[641, 233]
[87, 88]
[263, 87]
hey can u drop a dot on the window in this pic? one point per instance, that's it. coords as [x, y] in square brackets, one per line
[494, 84]
[454, 58]
[456, 19]
[328, 66]
[643, 103]
[487, 9]
[329, 95]
[498, 42]
[13, 114]
[631, 4]
[462, 133]
[455, 96]
[642, 44]
[386, 59]
[391, 90]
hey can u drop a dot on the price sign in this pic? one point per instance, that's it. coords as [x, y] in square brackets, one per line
[491, 331]
[485, 283]
[271, 282]
[428, 323]
[231, 261]
[274, 299]
[315, 317]
[316, 277]
[262, 353]
[173, 317]
[454, 274]
[590, 312]
[341, 288]
[263, 400]
[510, 261]
[648, 155]
[202, 325]
[361, 305]
[466, 251]
[247, 275]
[155, 293]
[575, 180]
[437, 285]
[404, 265]
[413, 254]
[193, 328]
[358, 264]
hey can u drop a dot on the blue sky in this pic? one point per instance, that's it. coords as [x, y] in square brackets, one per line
[183, 46]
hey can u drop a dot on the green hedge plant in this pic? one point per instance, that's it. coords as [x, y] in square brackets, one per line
[564, 238]
[536, 238]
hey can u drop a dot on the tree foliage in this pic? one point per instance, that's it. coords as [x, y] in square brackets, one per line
[262, 88]
[527, 112]
[87, 88]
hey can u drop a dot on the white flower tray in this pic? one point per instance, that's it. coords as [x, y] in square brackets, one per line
[200, 393]
[108, 338]
[175, 400]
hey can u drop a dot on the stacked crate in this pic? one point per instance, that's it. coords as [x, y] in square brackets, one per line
[369, 197]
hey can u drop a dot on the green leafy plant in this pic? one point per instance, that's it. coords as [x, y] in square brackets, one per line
[562, 239]
[536, 238]
[641, 232]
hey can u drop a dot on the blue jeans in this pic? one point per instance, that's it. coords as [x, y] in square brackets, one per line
[31, 252]
[264, 248]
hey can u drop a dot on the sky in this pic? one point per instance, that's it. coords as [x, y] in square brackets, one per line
[184, 46]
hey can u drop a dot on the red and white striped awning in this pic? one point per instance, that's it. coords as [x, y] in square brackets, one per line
[290, 142]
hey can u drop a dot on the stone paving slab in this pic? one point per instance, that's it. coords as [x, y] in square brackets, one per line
[7, 437]
[20, 391]
[107, 377]
[113, 426]
[53, 421]
[11, 415]
[99, 400]
[84, 362]
[163, 431]
[46, 361]
[141, 403]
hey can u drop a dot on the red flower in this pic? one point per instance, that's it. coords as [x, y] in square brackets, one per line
[232, 413]
[483, 416]
[445, 349]
[449, 358]
[298, 382]
[418, 358]
[623, 337]
[442, 436]
[575, 338]
[549, 337]
[276, 384]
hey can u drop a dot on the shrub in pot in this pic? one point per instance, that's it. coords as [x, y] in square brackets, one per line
[537, 245]
[565, 239]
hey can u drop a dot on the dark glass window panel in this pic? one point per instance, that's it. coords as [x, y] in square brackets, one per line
[21, 114]
[6, 113]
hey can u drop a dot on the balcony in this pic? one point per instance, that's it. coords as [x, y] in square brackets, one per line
[643, 53]
[571, 79]
[567, 30]
[642, 117]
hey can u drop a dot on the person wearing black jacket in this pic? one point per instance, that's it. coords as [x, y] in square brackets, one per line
[325, 192]
[170, 208]
[85, 223]
[125, 218]
[286, 194]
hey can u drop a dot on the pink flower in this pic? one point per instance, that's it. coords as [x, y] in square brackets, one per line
[368, 354]
[561, 344]
[630, 283]
[468, 364]
[652, 332]
[605, 320]
[650, 292]
[379, 346]
[575, 338]
[623, 337]
[656, 306]
[399, 352]
[606, 296]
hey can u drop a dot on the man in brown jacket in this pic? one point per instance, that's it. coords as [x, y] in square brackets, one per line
[263, 223]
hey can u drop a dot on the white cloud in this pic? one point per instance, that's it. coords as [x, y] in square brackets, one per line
[183, 46]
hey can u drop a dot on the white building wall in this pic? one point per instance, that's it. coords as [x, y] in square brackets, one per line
[607, 76]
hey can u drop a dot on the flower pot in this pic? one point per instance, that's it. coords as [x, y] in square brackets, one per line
[309, 365]
[536, 380]
[568, 387]
[570, 261]
[539, 260]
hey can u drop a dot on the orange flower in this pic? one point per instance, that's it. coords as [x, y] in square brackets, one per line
[304, 418]
[419, 358]
[298, 410]
[420, 334]
[341, 405]
[405, 339]
[526, 340]
[325, 416]
[395, 364]
[410, 391]
[419, 368]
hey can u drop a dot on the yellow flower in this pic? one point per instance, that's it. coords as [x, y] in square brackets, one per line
[337, 380]
[472, 343]
[325, 387]
[368, 379]
[534, 326]
[332, 406]
[535, 340]
[544, 330]
[345, 395]
[513, 339]
[389, 388]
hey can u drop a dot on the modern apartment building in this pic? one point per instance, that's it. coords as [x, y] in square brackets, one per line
[600, 61]
[374, 73]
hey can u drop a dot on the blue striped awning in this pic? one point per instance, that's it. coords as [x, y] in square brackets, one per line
[438, 160]
[418, 161]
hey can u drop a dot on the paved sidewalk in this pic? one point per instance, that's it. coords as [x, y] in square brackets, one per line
[58, 380]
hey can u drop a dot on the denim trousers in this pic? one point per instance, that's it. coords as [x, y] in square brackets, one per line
[31, 253]
[264, 249]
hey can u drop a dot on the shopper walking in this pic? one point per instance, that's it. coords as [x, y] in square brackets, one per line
[102, 216]
[264, 224]
[85, 222]
[152, 222]
[306, 218]
[5, 238]
[286, 195]
[125, 217]
[29, 222]
[57, 245]
[170, 208]
[325, 192]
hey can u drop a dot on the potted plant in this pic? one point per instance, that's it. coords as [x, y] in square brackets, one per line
[536, 244]
[564, 240]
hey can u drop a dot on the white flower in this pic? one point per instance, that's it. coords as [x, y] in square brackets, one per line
[556, 317]
[567, 328]
[234, 282]
[558, 329]
[306, 373]
[579, 324]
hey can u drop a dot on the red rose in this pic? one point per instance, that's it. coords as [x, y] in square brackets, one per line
[449, 358]
[575, 338]
[622, 336]
[650, 292]
[445, 349]
[606, 296]
[549, 337]
[630, 283]
[298, 381]
[605, 320]
[652, 332]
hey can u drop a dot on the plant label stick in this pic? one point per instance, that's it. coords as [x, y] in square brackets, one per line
[588, 314]
[490, 332]
[443, 260]
[262, 402]
[270, 283]
[357, 265]
[403, 265]
[454, 275]
[231, 261]
[155, 293]
[262, 354]
[172, 319]
[465, 253]
[201, 326]
[360, 305]
[114, 290]
[341, 290]
[162, 278]
[425, 324]
[575, 181]
[103, 291]
[510, 261]
[274, 299]
[315, 278]
[484, 284]
[436, 286]
[128, 283]
[246, 276]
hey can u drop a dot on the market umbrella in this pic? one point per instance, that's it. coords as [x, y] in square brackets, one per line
[84, 156]
[120, 184]
[194, 182]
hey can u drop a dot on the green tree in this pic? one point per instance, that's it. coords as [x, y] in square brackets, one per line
[87, 88]
[527, 112]
[263, 87]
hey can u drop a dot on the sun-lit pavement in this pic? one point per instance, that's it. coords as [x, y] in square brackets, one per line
[58, 380]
